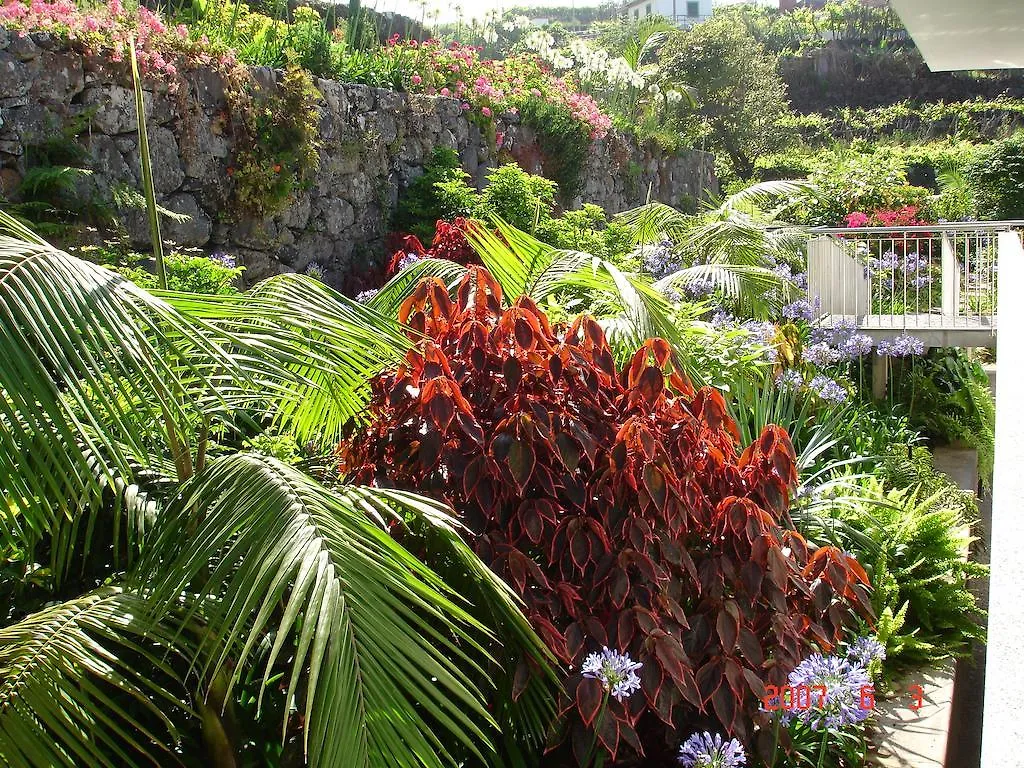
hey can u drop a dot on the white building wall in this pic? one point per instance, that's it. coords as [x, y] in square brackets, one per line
[680, 10]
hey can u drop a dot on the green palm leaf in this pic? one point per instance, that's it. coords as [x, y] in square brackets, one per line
[71, 692]
[757, 292]
[327, 346]
[649, 223]
[97, 373]
[393, 661]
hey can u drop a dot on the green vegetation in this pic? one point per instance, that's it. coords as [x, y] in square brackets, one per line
[277, 133]
[276, 526]
[741, 98]
[996, 179]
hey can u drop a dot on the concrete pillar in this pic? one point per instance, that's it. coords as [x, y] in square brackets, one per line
[879, 377]
[1003, 732]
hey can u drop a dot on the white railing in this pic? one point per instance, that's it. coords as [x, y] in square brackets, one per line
[940, 277]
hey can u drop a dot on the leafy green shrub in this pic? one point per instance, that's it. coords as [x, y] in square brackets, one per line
[979, 120]
[587, 229]
[523, 200]
[741, 97]
[996, 177]
[54, 191]
[188, 270]
[856, 182]
[947, 398]
[422, 203]
[520, 198]
[791, 164]
[919, 567]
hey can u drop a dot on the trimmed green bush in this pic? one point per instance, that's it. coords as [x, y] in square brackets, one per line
[996, 178]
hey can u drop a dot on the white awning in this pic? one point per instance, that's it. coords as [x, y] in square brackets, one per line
[966, 34]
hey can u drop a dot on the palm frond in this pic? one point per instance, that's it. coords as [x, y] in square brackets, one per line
[71, 692]
[756, 292]
[651, 222]
[766, 195]
[647, 37]
[95, 367]
[629, 307]
[393, 662]
[331, 345]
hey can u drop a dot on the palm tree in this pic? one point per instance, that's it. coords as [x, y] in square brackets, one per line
[733, 244]
[178, 570]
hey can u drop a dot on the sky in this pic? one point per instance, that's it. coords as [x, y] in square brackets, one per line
[480, 8]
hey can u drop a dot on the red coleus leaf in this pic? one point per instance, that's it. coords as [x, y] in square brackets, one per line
[567, 451]
[521, 461]
[513, 372]
[728, 627]
[521, 680]
[654, 482]
[589, 697]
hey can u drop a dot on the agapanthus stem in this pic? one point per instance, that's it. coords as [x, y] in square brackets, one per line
[775, 740]
[599, 760]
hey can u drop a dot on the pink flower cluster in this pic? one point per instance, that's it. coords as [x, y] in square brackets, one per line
[491, 86]
[159, 49]
[905, 216]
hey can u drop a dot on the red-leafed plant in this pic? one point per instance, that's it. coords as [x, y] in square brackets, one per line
[618, 505]
[449, 243]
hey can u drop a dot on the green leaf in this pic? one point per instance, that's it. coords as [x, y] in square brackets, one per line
[393, 660]
[85, 682]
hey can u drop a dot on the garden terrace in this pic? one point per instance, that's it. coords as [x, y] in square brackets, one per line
[937, 282]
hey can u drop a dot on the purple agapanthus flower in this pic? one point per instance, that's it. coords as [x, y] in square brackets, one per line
[660, 259]
[802, 309]
[842, 329]
[829, 390]
[698, 288]
[790, 379]
[763, 331]
[783, 271]
[364, 296]
[843, 681]
[865, 650]
[721, 318]
[702, 750]
[406, 261]
[903, 345]
[858, 345]
[821, 354]
[615, 670]
[224, 259]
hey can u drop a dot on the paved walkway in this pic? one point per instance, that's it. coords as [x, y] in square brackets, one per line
[915, 738]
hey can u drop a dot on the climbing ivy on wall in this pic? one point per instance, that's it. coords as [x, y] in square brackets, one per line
[277, 139]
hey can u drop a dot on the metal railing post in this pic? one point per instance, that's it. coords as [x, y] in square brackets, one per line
[950, 278]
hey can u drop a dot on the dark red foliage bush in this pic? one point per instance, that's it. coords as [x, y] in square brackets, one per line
[449, 243]
[617, 504]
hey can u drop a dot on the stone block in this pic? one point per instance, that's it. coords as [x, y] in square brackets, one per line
[194, 232]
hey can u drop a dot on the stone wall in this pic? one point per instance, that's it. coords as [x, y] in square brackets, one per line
[374, 142]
